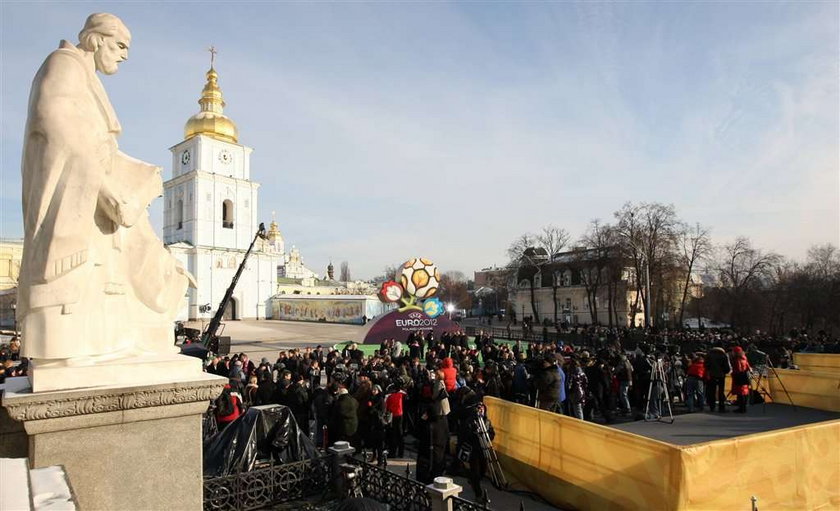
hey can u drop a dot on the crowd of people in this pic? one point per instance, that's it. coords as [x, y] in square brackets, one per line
[11, 363]
[795, 340]
[429, 389]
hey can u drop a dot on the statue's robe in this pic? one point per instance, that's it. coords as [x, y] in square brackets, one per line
[94, 277]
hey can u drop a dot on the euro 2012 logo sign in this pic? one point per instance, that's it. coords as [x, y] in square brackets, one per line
[419, 281]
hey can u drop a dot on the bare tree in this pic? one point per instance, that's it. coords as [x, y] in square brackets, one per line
[389, 273]
[456, 276]
[345, 272]
[526, 261]
[648, 236]
[742, 268]
[553, 240]
[453, 290]
[823, 261]
[695, 245]
[598, 242]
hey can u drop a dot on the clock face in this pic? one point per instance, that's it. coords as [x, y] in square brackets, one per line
[225, 156]
[185, 157]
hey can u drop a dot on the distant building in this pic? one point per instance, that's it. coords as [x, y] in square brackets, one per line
[11, 252]
[591, 287]
[491, 276]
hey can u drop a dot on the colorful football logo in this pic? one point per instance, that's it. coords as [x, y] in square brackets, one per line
[420, 277]
[419, 281]
[391, 292]
[433, 307]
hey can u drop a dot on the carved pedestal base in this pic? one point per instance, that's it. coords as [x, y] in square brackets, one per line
[122, 448]
[121, 371]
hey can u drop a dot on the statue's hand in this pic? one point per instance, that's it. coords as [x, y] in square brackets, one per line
[183, 271]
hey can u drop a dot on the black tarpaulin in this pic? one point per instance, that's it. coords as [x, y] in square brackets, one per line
[263, 433]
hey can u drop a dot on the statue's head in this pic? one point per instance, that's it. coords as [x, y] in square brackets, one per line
[108, 39]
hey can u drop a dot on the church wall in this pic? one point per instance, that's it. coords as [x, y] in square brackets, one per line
[214, 270]
[207, 171]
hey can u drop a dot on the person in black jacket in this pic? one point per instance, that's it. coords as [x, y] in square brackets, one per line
[322, 401]
[468, 409]
[266, 390]
[717, 367]
[548, 384]
[298, 401]
[344, 420]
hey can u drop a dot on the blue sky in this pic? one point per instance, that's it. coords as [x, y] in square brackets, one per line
[387, 130]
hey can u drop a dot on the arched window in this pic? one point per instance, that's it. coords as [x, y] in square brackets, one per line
[179, 214]
[227, 214]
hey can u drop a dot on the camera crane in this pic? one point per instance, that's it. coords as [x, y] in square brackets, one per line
[209, 342]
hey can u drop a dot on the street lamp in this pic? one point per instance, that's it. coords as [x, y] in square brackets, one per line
[450, 308]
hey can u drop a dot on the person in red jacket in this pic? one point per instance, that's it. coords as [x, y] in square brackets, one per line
[228, 407]
[449, 374]
[694, 386]
[394, 404]
[740, 378]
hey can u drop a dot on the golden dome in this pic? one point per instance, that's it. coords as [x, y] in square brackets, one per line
[210, 120]
[274, 231]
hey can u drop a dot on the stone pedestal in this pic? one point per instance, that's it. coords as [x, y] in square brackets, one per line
[130, 447]
[125, 371]
[439, 492]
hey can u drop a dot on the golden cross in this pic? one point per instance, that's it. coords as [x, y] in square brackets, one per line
[213, 52]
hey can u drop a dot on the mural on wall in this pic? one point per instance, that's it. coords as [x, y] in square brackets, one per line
[330, 311]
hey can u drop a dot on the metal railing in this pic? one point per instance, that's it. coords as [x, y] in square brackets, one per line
[536, 335]
[267, 486]
[459, 504]
[399, 492]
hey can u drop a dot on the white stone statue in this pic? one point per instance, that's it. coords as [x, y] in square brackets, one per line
[96, 284]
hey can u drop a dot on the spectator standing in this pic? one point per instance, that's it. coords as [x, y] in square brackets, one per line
[228, 407]
[694, 383]
[717, 367]
[344, 420]
[548, 384]
[394, 404]
[740, 378]
[578, 388]
[438, 424]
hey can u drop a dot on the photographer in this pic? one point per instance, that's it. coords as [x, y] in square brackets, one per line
[438, 424]
[656, 387]
[468, 410]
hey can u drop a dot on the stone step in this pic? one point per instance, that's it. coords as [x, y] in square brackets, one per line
[26, 489]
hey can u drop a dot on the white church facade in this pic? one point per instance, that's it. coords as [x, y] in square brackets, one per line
[211, 216]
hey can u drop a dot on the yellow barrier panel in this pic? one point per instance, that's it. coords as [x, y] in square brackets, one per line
[584, 465]
[796, 468]
[819, 362]
[577, 464]
[807, 388]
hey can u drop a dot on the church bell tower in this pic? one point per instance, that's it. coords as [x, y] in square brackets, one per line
[211, 206]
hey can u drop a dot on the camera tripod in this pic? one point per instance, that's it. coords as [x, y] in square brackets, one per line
[657, 381]
[760, 380]
[495, 469]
